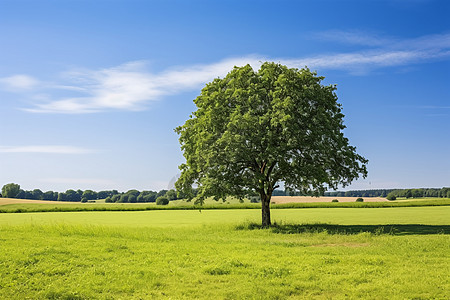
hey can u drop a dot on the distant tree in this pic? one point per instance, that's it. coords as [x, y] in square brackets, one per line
[161, 193]
[37, 194]
[115, 198]
[89, 195]
[133, 192]
[255, 129]
[21, 194]
[391, 196]
[408, 194]
[162, 200]
[62, 197]
[73, 196]
[132, 198]
[50, 195]
[10, 190]
[140, 198]
[171, 195]
[123, 198]
[104, 194]
[108, 200]
[151, 197]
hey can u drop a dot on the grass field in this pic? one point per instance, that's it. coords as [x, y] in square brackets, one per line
[20, 206]
[220, 254]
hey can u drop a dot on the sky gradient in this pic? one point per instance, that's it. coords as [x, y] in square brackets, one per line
[90, 91]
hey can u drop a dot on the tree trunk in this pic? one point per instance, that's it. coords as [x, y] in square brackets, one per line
[265, 210]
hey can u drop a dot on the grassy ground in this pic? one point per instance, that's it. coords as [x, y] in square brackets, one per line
[221, 254]
[210, 204]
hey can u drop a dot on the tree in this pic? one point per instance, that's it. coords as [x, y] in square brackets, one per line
[162, 200]
[132, 198]
[253, 130]
[10, 190]
[171, 195]
[89, 195]
[37, 194]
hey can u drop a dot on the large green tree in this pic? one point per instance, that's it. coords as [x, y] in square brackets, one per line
[10, 190]
[256, 129]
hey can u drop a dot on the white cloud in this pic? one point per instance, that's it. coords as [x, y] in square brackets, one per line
[19, 82]
[132, 86]
[353, 37]
[52, 149]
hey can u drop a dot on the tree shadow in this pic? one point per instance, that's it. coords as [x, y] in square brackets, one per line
[393, 229]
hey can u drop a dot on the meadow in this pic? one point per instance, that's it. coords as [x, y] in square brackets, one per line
[314, 253]
[21, 206]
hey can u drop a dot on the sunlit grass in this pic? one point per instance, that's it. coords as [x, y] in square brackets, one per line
[210, 204]
[223, 254]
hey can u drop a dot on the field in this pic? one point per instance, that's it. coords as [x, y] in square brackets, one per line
[309, 199]
[338, 253]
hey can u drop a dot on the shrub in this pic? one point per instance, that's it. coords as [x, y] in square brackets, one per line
[335, 200]
[391, 197]
[84, 200]
[108, 200]
[162, 200]
[360, 200]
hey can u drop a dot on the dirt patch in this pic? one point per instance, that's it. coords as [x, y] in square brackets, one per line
[4, 201]
[307, 199]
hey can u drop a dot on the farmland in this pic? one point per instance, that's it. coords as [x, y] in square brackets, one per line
[317, 253]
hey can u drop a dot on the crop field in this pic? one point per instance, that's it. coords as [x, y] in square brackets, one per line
[309, 199]
[315, 253]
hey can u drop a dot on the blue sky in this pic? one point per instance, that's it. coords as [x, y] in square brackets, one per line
[90, 91]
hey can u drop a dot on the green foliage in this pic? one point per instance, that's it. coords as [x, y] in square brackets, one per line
[108, 200]
[171, 195]
[10, 190]
[132, 199]
[391, 196]
[123, 198]
[253, 130]
[335, 200]
[162, 200]
[89, 195]
[360, 200]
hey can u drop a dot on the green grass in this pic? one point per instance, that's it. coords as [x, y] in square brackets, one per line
[210, 204]
[438, 215]
[347, 253]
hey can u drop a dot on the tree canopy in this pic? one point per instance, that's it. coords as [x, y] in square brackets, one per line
[255, 129]
[10, 190]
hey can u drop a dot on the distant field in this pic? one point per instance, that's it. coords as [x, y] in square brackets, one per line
[5, 201]
[308, 199]
[29, 206]
[346, 253]
[438, 215]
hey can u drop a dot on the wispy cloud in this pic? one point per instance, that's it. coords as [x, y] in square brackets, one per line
[19, 82]
[132, 86]
[51, 149]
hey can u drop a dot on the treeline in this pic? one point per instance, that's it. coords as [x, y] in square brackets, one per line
[419, 193]
[13, 190]
[360, 193]
[357, 193]
[384, 193]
